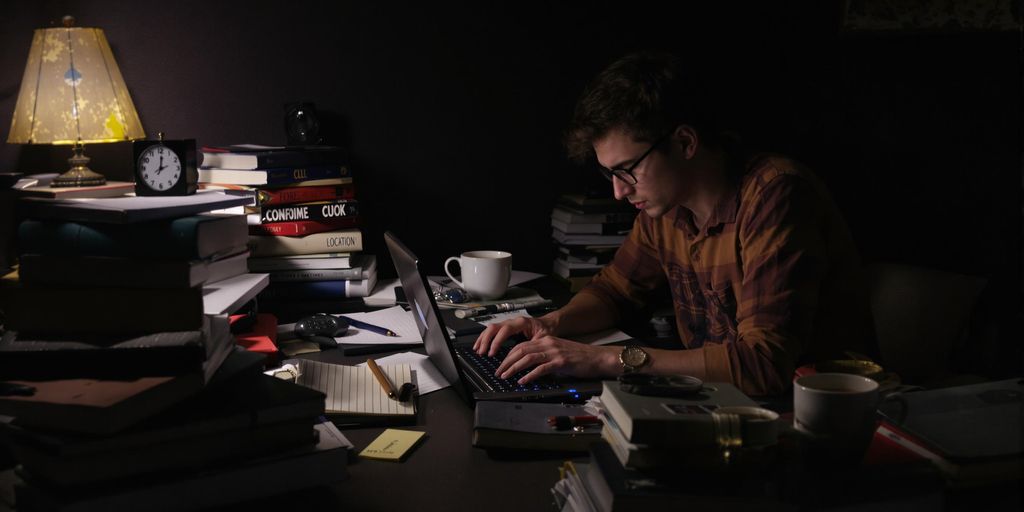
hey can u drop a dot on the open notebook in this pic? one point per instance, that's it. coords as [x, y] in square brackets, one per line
[355, 397]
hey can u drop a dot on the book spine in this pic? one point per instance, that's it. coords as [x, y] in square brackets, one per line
[283, 176]
[106, 272]
[271, 264]
[176, 239]
[309, 211]
[80, 311]
[330, 274]
[303, 227]
[317, 290]
[292, 195]
[348, 240]
[271, 159]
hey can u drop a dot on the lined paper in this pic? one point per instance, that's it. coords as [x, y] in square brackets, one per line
[354, 390]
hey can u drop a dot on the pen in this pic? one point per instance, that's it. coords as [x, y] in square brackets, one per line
[369, 327]
[569, 422]
[500, 308]
[381, 378]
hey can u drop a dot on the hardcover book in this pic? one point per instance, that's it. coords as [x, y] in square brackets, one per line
[126, 210]
[320, 290]
[103, 406]
[654, 419]
[106, 356]
[275, 177]
[246, 417]
[300, 227]
[367, 266]
[108, 271]
[319, 211]
[290, 195]
[253, 156]
[183, 238]
[108, 189]
[324, 463]
[99, 311]
[343, 240]
[524, 426]
[327, 260]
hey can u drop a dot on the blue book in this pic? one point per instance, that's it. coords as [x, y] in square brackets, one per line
[320, 290]
[183, 238]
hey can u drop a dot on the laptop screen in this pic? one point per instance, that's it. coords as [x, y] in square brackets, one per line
[426, 314]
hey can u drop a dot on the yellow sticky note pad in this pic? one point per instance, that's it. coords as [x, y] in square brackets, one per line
[392, 444]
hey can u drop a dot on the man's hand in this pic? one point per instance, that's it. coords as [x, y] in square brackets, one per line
[550, 354]
[495, 334]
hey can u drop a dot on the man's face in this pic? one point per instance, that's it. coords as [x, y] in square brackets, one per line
[660, 177]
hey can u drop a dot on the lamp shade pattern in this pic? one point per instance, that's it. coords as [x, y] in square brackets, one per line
[73, 90]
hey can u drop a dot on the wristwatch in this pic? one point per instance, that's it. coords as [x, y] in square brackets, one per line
[632, 358]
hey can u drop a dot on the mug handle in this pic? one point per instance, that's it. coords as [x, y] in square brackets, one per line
[446, 262]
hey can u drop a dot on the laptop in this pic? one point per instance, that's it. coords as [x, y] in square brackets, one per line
[472, 375]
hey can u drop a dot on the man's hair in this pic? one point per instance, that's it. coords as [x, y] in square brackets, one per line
[646, 94]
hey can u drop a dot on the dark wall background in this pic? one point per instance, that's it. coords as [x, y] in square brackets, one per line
[454, 112]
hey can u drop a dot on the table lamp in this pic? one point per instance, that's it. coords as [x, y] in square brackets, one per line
[73, 93]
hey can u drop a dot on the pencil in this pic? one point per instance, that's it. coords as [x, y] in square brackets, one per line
[381, 378]
[369, 327]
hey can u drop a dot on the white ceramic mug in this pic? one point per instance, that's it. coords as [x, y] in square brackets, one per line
[484, 273]
[835, 405]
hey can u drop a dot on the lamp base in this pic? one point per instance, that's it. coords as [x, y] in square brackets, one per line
[80, 175]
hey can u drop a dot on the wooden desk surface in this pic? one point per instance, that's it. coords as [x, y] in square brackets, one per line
[444, 472]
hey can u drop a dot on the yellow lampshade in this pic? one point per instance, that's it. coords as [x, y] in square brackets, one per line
[73, 91]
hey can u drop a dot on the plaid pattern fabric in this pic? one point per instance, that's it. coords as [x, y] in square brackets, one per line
[770, 282]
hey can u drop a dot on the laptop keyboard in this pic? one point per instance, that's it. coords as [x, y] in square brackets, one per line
[486, 365]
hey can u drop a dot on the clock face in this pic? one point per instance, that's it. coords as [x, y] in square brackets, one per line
[159, 167]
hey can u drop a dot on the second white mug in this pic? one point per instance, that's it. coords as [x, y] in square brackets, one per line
[484, 273]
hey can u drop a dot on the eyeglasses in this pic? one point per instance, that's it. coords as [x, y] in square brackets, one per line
[626, 174]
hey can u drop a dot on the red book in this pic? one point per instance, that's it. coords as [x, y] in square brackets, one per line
[263, 337]
[302, 227]
[290, 195]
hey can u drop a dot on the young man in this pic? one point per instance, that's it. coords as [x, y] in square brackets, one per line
[763, 273]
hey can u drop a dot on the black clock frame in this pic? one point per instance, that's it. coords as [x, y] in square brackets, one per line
[185, 149]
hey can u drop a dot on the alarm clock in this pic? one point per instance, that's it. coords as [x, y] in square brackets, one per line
[165, 167]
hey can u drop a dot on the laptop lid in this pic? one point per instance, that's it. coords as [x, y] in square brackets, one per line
[427, 315]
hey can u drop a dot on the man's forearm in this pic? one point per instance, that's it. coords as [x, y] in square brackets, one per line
[582, 315]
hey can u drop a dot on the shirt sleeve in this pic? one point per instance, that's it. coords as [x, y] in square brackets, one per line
[628, 284]
[781, 238]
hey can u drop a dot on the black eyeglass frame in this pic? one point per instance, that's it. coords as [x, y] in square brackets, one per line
[626, 174]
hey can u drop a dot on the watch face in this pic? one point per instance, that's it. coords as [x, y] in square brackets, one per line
[634, 356]
[159, 167]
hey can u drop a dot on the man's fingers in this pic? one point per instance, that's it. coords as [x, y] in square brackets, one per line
[522, 363]
[538, 372]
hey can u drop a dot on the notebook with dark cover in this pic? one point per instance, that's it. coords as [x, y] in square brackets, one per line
[245, 418]
[471, 375]
[114, 356]
[104, 406]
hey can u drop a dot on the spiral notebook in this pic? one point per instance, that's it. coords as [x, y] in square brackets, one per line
[355, 397]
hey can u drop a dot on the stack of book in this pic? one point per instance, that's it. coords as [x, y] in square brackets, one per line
[587, 231]
[660, 452]
[303, 224]
[122, 380]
